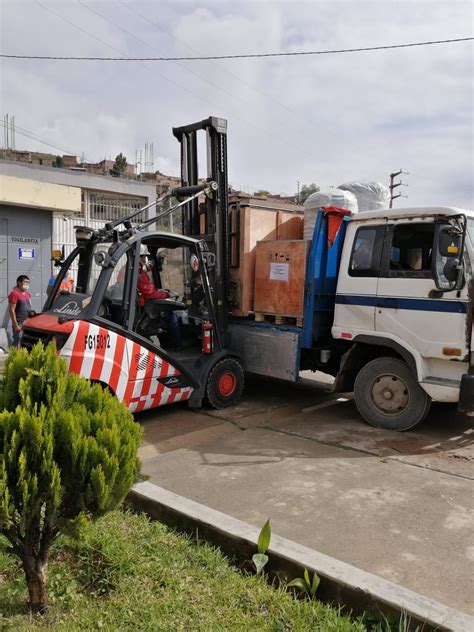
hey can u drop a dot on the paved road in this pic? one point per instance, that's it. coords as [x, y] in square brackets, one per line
[400, 505]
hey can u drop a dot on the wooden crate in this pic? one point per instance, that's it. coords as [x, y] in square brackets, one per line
[279, 280]
[251, 221]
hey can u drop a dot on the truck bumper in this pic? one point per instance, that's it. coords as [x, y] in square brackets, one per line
[466, 394]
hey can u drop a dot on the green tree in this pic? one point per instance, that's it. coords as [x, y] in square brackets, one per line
[306, 191]
[120, 166]
[262, 193]
[68, 454]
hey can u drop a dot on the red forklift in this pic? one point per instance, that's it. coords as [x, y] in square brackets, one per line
[153, 351]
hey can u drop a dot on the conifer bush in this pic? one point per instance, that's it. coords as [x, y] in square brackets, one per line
[68, 454]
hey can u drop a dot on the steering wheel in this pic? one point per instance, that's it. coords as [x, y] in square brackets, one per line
[168, 303]
[172, 294]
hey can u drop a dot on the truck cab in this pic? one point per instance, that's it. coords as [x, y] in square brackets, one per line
[404, 303]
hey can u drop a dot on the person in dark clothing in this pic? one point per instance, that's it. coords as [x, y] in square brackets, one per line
[19, 304]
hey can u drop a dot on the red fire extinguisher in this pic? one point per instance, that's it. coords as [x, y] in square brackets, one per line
[207, 337]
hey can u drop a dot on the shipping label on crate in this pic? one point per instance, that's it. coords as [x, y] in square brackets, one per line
[279, 271]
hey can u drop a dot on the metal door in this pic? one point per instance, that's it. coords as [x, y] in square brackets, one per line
[3, 272]
[24, 257]
[25, 236]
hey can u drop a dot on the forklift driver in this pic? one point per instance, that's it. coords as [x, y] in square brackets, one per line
[144, 284]
[148, 292]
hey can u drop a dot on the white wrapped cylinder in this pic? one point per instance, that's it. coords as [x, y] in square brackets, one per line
[371, 196]
[320, 199]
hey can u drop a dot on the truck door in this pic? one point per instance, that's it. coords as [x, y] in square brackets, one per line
[358, 277]
[409, 308]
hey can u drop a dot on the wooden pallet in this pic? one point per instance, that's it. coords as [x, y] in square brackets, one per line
[278, 319]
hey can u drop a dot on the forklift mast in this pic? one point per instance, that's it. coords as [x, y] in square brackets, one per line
[209, 221]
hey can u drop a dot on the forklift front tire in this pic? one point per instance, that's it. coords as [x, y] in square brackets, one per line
[225, 384]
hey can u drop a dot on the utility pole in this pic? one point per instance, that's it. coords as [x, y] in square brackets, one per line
[394, 185]
[298, 194]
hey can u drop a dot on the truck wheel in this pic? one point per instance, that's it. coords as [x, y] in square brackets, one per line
[225, 384]
[388, 396]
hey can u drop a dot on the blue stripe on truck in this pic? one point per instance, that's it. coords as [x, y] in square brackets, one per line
[395, 302]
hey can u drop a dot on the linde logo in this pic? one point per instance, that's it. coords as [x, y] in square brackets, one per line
[171, 380]
[71, 308]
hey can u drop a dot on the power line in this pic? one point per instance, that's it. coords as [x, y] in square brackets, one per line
[270, 133]
[76, 26]
[244, 56]
[222, 67]
[32, 136]
[204, 79]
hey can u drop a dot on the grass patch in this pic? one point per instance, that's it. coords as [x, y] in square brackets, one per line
[128, 573]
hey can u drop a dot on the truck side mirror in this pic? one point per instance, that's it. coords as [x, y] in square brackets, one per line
[449, 241]
[451, 269]
[448, 267]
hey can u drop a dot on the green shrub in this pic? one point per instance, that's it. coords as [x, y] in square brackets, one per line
[304, 584]
[68, 453]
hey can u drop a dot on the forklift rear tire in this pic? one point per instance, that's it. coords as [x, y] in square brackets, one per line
[388, 396]
[225, 384]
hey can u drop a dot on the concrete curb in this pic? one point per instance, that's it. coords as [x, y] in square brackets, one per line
[341, 583]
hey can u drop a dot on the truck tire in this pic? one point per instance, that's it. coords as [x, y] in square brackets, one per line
[388, 396]
[225, 384]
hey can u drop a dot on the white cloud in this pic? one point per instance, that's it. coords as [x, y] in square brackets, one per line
[326, 119]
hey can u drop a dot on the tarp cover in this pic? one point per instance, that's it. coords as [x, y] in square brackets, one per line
[371, 196]
[321, 199]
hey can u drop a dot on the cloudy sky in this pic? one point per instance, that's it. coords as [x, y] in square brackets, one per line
[325, 119]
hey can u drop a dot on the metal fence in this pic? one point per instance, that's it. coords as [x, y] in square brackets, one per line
[105, 208]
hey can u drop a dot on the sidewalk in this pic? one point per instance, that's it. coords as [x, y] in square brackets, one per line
[356, 590]
[398, 506]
